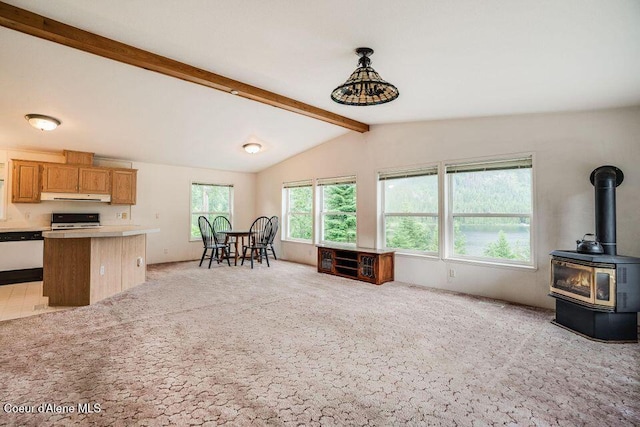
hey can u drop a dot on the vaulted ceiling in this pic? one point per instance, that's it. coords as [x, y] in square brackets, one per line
[451, 59]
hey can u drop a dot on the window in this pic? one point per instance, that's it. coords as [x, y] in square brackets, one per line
[209, 200]
[410, 209]
[338, 210]
[298, 210]
[490, 211]
[3, 172]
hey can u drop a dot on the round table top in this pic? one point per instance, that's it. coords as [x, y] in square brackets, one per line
[236, 232]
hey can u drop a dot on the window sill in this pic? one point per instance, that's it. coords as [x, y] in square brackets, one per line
[433, 257]
[307, 242]
[492, 264]
[346, 245]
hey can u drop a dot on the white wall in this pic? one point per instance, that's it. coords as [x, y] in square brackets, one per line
[162, 202]
[566, 148]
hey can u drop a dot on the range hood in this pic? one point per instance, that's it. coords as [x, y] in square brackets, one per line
[75, 197]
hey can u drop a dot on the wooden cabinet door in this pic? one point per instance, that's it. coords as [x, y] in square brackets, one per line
[325, 260]
[25, 182]
[367, 267]
[123, 186]
[94, 180]
[78, 157]
[59, 178]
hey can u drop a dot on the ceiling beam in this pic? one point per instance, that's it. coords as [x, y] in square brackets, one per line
[40, 26]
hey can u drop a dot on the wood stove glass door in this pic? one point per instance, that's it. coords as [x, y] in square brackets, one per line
[572, 280]
[605, 286]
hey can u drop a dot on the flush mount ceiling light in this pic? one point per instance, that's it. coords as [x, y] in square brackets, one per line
[42, 122]
[364, 86]
[252, 147]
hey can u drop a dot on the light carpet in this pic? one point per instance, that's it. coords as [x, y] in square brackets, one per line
[288, 346]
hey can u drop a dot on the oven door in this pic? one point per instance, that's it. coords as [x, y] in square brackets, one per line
[21, 261]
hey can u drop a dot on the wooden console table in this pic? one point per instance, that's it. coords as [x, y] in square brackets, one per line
[369, 265]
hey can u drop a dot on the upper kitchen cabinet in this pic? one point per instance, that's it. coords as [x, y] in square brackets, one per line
[94, 180]
[34, 180]
[78, 157]
[59, 178]
[123, 186]
[64, 178]
[25, 182]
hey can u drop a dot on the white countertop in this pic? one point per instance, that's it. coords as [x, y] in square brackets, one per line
[13, 229]
[104, 231]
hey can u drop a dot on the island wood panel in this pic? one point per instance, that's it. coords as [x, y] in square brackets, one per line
[66, 271]
[83, 271]
[133, 248]
[106, 267]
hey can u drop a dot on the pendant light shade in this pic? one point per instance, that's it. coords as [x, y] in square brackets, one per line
[42, 122]
[364, 86]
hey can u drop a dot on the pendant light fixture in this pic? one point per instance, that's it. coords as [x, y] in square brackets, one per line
[364, 86]
[42, 122]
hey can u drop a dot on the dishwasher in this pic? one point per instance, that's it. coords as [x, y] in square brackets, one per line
[21, 254]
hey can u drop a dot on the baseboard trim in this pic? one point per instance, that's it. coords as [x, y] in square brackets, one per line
[20, 276]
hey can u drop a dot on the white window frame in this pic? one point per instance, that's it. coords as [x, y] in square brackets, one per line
[491, 163]
[322, 182]
[4, 180]
[384, 176]
[206, 213]
[287, 213]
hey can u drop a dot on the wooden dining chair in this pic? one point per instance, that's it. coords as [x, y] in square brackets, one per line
[275, 221]
[209, 242]
[220, 224]
[258, 243]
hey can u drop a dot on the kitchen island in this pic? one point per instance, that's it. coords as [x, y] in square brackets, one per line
[82, 267]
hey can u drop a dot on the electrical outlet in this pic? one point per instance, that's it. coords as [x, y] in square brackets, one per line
[139, 262]
[166, 251]
[124, 215]
[452, 273]
[157, 216]
[102, 270]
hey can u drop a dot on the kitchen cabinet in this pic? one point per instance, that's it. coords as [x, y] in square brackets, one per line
[78, 157]
[59, 178]
[25, 182]
[94, 180]
[123, 186]
[64, 178]
[31, 178]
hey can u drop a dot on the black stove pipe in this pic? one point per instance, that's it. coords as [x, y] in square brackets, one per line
[605, 179]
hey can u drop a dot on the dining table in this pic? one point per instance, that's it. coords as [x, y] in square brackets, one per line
[237, 235]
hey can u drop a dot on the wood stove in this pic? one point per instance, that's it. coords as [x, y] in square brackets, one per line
[598, 293]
